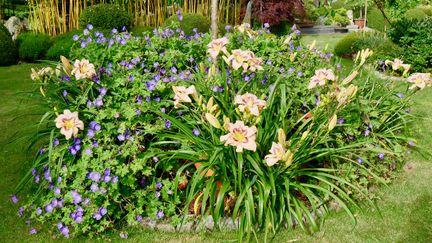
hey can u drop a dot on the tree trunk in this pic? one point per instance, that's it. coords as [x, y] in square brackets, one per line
[214, 20]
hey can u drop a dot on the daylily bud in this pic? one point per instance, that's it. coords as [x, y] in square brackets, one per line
[226, 122]
[312, 46]
[42, 91]
[288, 158]
[212, 120]
[281, 136]
[66, 64]
[304, 135]
[348, 79]
[292, 56]
[210, 103]
[332, 122]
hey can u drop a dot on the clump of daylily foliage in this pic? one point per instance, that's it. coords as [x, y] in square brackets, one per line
[249, 126]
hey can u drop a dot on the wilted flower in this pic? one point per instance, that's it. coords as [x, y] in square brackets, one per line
[419, 80]
[83, 69]
[320, 77]
[240, 136]
[249, 103]
[69, 123]
[181, 94]
[216, 46]
[396, 64]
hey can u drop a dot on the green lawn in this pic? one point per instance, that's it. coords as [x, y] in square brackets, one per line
[406, 204]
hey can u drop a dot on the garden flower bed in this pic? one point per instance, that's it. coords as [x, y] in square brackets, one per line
[249, 126]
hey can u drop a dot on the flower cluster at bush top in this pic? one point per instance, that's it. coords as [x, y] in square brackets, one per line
[162, 129]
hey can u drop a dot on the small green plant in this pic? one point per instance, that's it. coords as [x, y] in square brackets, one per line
[33, 46]
[8, 50]
[189, 22]
[105, 16]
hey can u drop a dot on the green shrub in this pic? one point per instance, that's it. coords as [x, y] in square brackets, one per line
[283, 28]
[383, 48]
[62, 45]
[32, 46]
[341, 20]
[376, 20]
[105, 16]
[344, 46]
[138, 30]
[8, 50]
[427, 9]
[415, 13]
[190, 22]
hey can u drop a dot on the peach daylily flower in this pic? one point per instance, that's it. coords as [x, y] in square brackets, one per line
[249, 103]
[320, 78]
[69, 123]
[255, 64]
[83, 69]
[238, 59]
[277, 152]
[216, 46]
[46, 71]
[181, 94]
[419, 80]
[240, 136]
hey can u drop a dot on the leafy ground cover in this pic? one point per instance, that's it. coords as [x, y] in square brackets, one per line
[409, 193]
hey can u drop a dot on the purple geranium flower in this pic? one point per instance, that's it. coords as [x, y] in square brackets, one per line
[33, 231]
[160, 214]
[94, 187]
[381, 156]
[138, 218]
[195, 132]
[167, 123]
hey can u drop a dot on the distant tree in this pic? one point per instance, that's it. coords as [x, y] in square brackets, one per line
[276, 11]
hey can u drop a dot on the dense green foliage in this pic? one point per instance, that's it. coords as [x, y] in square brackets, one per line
[415, 14]
[33, 46]
[62, 45]
[8, 50]
[189, 22]
[415, 37]
[376, 20]
[105, 16]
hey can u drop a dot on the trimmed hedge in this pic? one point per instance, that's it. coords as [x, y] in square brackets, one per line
[33, 46]
[8, 50]
[190, 22]
[105, 16]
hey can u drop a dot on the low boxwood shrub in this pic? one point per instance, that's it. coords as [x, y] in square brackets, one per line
[33, 46]
[189, 22]
[105, 16]
[344, 47]
[8, 50]
[248, 126]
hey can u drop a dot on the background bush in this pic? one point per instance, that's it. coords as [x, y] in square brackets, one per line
[189, 22]
[352, 43]
[376, 20]
[33, 46]
[344, 46]
[62, 45]
[8, 50]
[105, 16]
[415, 13]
